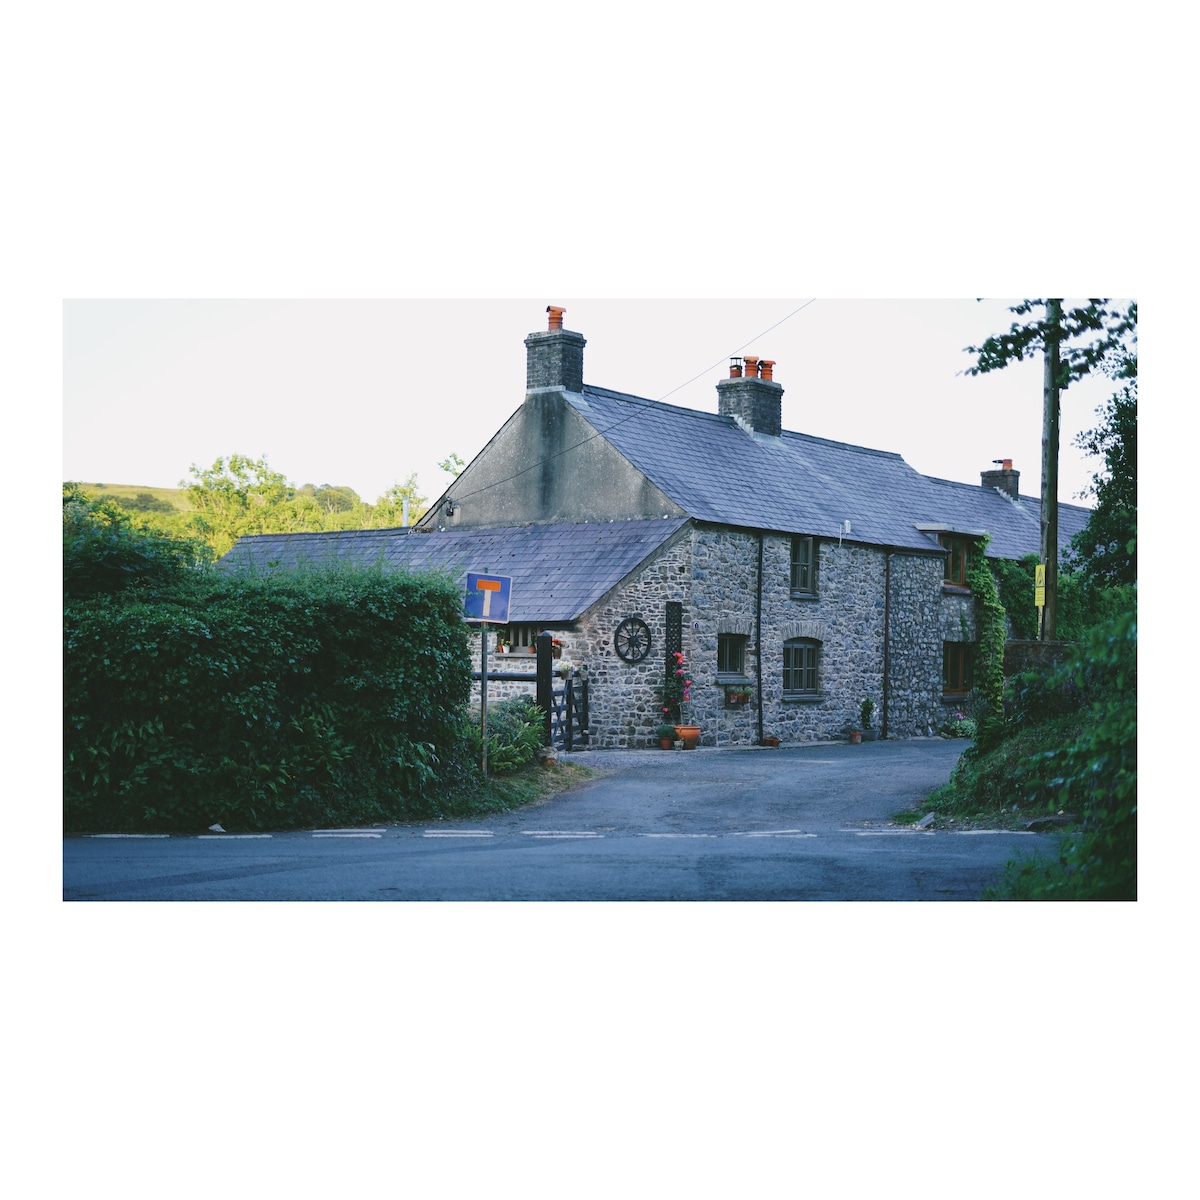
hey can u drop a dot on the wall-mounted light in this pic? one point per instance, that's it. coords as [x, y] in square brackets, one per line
[450, 508]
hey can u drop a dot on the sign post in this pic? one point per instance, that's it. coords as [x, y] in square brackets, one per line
[486, 601]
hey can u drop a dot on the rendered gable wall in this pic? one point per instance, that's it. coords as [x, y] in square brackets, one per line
[548, 465]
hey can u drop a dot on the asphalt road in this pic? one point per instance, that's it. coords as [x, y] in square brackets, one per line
[811, 823]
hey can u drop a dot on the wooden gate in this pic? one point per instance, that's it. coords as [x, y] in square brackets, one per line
[569, 715]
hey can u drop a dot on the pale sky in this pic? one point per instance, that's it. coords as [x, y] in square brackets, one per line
[361, 393]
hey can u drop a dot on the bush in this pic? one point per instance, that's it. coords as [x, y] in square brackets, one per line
[1096, 774]
[515, 733]
[106, 551]
[303, 698]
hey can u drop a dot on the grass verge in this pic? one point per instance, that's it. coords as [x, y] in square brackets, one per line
[983, 793]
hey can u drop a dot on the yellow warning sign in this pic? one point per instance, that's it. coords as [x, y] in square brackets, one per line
[1039, 585]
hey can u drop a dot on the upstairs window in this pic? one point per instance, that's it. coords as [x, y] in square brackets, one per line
[956, 560]
[731, 654]
[804, 566]
[801, 667]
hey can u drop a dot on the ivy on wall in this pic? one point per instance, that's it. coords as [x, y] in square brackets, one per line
[989, 661]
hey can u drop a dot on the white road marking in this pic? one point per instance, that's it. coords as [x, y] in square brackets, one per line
[348, 835]
[457, 833]
[558, 833]
[775, 833]
[978, 832]
[129, 835]
[230, 837]
[681, 835]
[892, 832]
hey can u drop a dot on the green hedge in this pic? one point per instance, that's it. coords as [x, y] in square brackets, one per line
[281, 702]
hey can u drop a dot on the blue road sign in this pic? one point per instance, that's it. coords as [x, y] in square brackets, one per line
[487, 598]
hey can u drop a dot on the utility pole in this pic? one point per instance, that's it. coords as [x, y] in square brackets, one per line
[1050, 413]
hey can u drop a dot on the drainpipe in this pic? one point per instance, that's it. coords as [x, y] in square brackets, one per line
[887, 641]
[758, 636]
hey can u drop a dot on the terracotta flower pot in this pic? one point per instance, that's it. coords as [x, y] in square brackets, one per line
[667, 743]
[689, 735]
[855, 736]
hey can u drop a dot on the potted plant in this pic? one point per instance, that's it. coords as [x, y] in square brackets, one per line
[866, 712]
[677, 691]
[563, 668]
[666, 736]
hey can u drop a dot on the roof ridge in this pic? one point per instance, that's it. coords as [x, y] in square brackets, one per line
[718, 417]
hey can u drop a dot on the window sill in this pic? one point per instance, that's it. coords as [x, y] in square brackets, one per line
[955, 698]
[955, 589]
[734, 679]
[804, 596]
[805, 698]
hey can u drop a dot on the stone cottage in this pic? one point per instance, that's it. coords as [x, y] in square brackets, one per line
[798, 576]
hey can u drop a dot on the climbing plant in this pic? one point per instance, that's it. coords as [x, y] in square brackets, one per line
[989, 662]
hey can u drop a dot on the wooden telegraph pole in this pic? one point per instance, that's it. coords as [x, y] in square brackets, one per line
[1050, 412]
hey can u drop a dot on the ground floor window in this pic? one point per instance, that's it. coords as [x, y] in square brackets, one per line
[731, 654]
[520, 637]
[956, 668]
[801, 667]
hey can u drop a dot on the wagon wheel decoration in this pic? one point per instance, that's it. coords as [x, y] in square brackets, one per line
[632, 639]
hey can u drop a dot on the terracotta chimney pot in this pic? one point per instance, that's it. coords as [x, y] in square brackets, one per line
[556, 316]
[751, 366]
[735, 368]
[765, 368]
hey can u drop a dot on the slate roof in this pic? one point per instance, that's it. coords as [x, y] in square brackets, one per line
[717, 471]
[558, 571]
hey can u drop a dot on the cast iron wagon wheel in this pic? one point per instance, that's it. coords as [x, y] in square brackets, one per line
[632, 639]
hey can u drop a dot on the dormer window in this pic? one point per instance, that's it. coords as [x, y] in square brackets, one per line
[958, 546]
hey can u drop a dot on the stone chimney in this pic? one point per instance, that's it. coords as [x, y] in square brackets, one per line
[1004, 480]
[554, 358]
[751, 395]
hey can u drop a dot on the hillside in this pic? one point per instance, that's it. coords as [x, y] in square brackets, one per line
[136, 498]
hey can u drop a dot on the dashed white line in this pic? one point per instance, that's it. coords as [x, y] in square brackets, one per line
[347, 835]
[458, 833]
[892, 832]
[230, 837]
[129, 835]
[774, 833]
[979, 832]
[558, 833]
[681, 835]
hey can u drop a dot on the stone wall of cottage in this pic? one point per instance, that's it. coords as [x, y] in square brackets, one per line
[713, 572]
[915, 653]
[625, 698]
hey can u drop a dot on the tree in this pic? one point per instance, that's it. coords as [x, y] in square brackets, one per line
[336, 499]
[1073, 344]
[235, 496]
[1105, 550]
[389, 510]
[452, 465]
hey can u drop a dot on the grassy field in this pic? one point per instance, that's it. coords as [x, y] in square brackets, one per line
[124, 493]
